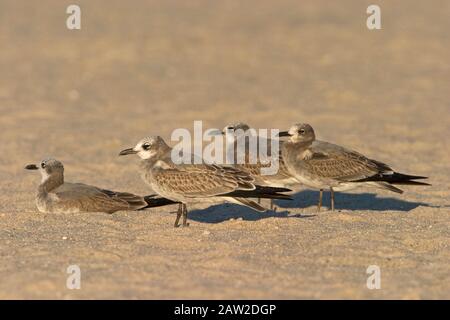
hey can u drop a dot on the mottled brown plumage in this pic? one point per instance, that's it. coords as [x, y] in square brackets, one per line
[252, 162]
[201, 180]
[55, 195]
[321, 165]
[192, 183]
[238, 140]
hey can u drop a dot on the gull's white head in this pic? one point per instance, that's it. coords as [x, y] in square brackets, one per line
[236, 130]
[48, 168]
[147, 148]
[300, 132]
[236, 126]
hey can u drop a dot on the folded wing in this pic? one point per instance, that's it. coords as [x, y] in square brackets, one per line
[89, 198]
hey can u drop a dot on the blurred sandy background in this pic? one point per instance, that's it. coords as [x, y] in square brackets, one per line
[146, 67]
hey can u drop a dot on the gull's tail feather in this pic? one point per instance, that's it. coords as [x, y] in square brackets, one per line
[386, 186]
[412, 183]
[261, 192]
[133, 201]
[249, 203]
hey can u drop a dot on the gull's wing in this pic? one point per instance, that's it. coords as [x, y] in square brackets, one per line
[200, 180]
[90, 198]
[332, 161]
[255, 168]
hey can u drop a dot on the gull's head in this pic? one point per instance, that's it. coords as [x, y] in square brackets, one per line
[230, 129]
[146, 148]
[236, 126]
[238, 129]
[300, 132]
[47, 168]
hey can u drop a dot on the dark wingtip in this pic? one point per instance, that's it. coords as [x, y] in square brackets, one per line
[410, 177]
[154, 201]
[268, 189]
[396, 178]
[264, 192]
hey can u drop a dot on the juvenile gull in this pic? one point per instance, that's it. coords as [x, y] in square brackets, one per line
[321, 165]
[56, 195]
[234, 134]
[193, 183]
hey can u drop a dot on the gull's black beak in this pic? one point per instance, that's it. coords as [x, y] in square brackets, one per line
[127, 151]
[31, 167]
[284, 134]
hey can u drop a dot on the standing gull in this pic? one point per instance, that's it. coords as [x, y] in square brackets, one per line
[55, 195]
[234, 134]
[193, 183]
[318, 164]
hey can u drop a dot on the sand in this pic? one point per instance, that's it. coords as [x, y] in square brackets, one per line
[145, 68]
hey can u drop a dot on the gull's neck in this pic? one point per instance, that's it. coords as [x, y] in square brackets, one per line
[232, 137]
[50, 182]
[300, 144]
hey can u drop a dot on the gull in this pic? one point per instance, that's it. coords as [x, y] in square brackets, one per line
[193, 183]
[56, 195]
[320, 165]
[234, 133]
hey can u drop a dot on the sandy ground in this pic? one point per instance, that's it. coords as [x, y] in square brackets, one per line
[148, 67]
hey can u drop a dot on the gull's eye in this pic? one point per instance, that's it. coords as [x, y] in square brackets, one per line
[146, 146]
[230, 128]
[301, 131]
[43, 165]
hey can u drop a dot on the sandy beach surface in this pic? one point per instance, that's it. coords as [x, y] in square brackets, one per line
[147, 67]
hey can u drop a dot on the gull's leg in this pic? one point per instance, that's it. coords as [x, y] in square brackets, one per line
[179, 213]
[319, 205]
[332, 198]
[271, 204]
[259, 200]
[185, 224]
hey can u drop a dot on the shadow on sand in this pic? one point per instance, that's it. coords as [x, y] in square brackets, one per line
[350, 201]
[304, 199]
[223, 212]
